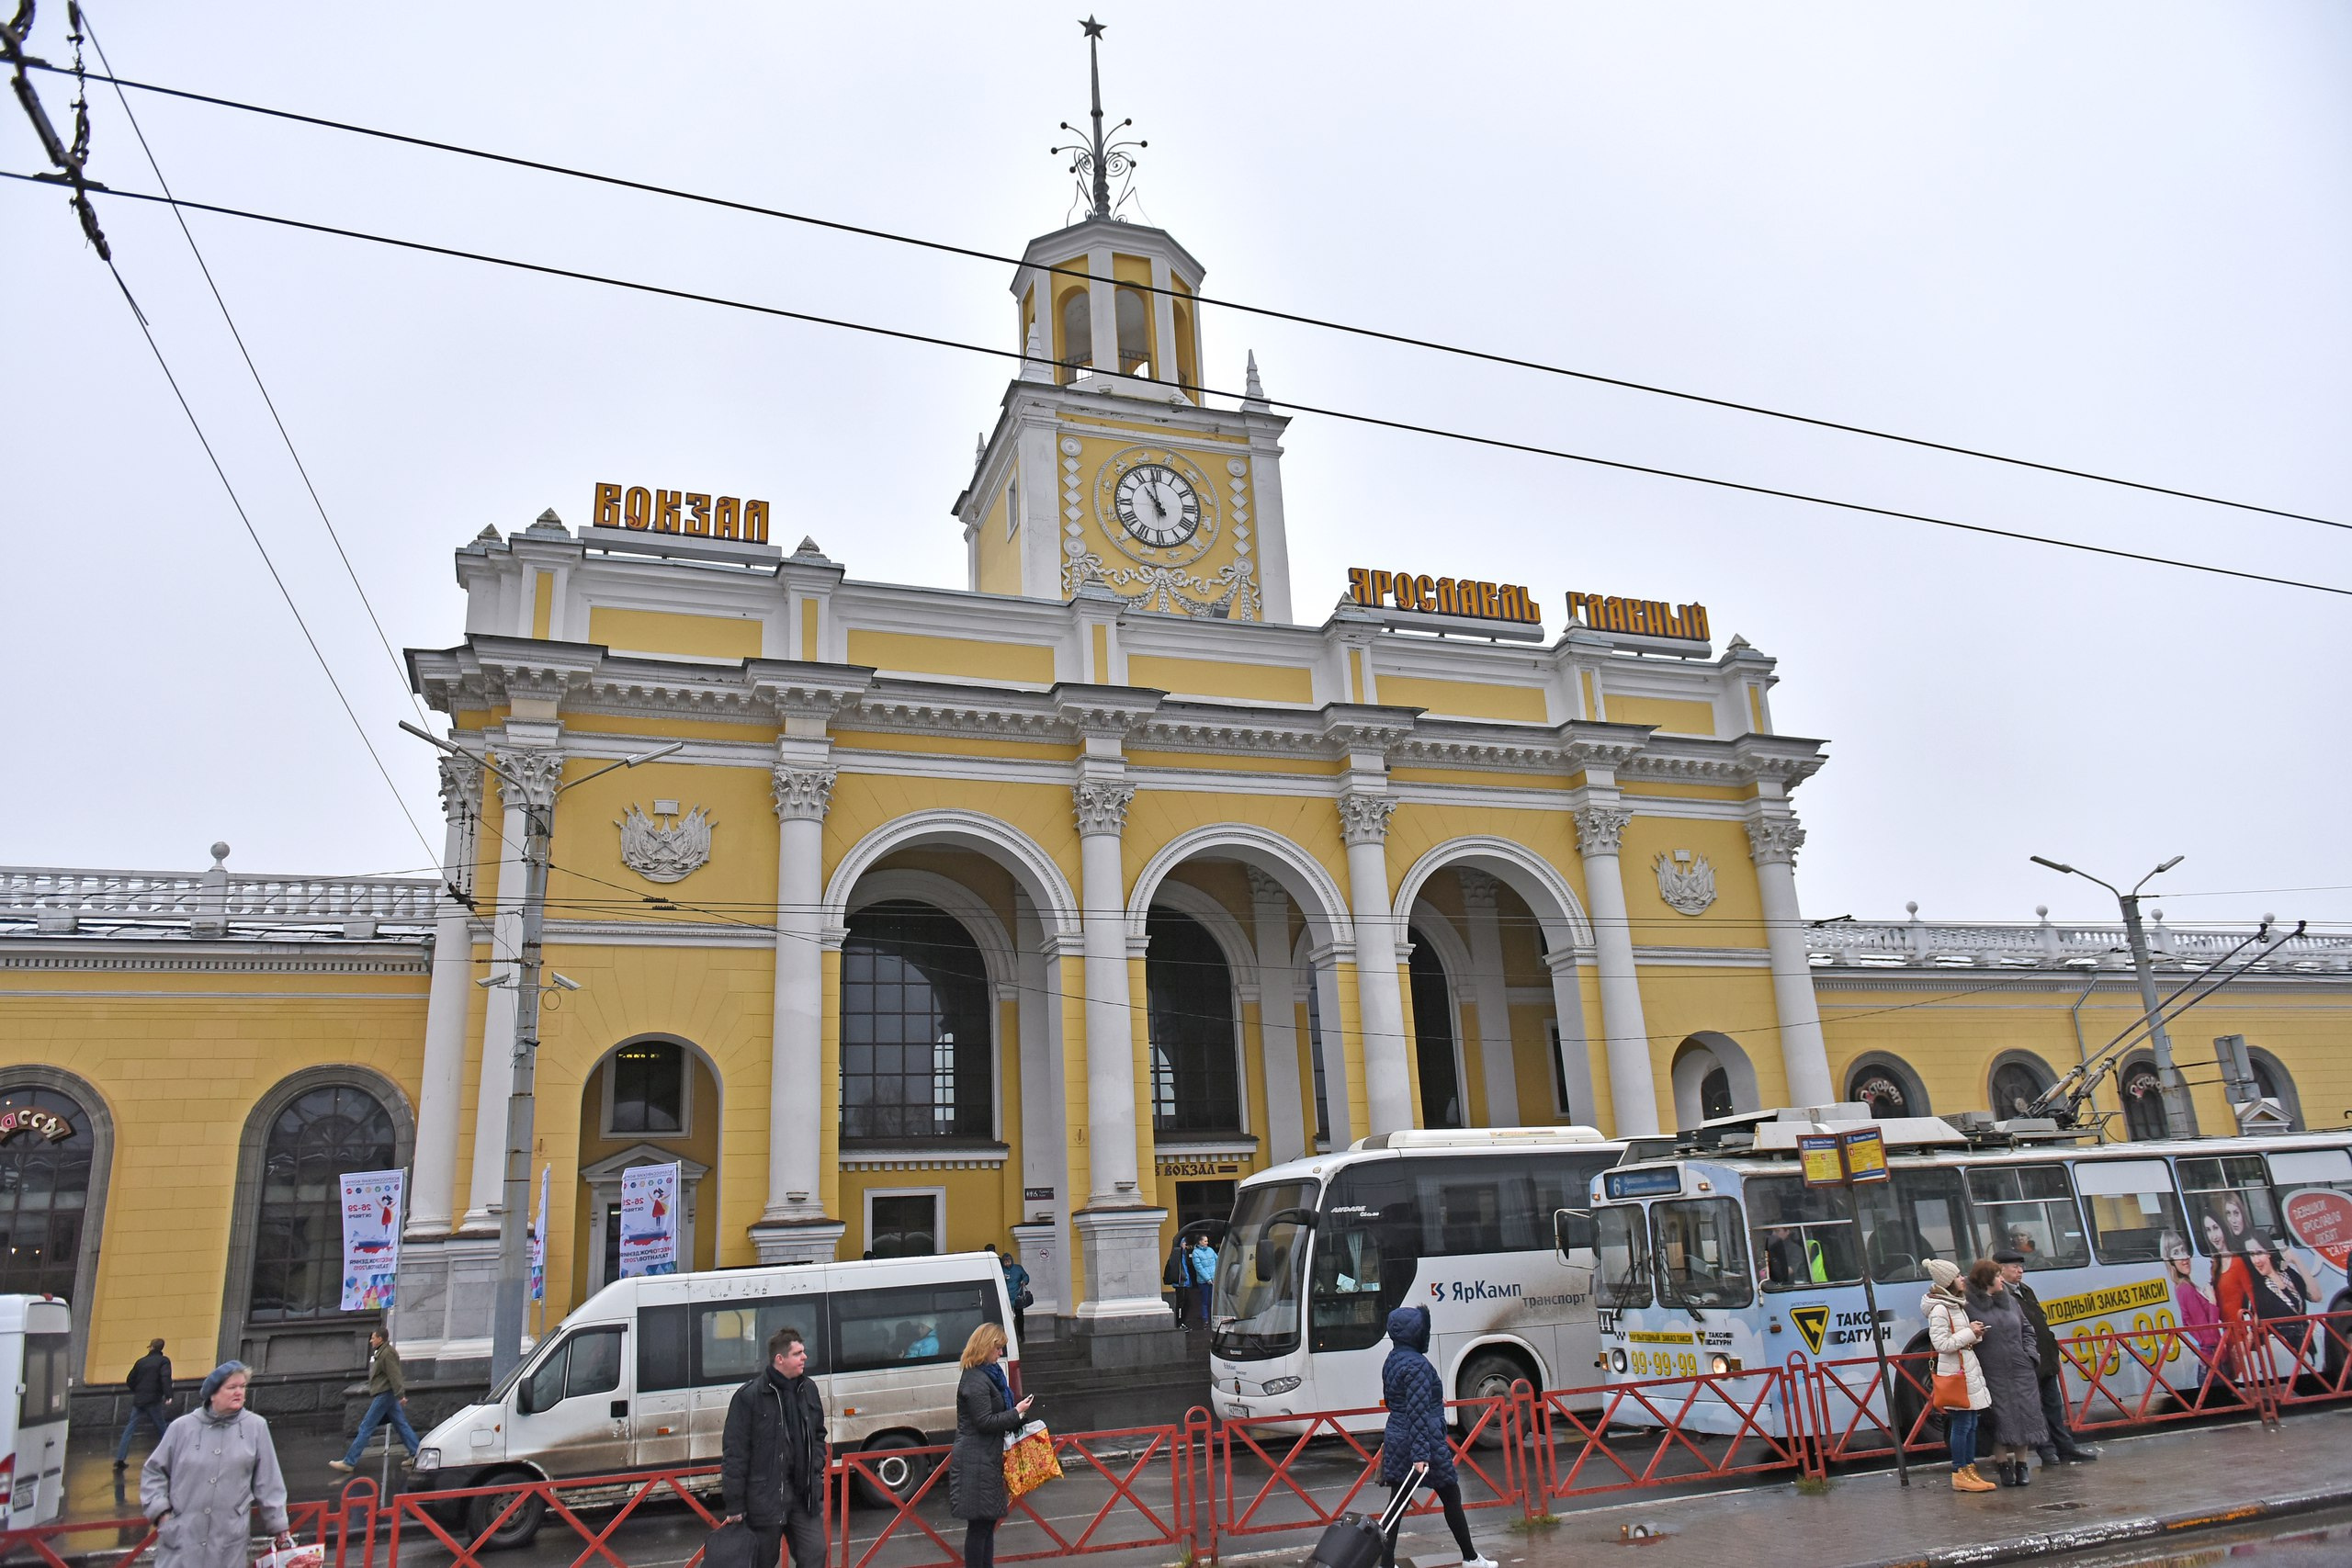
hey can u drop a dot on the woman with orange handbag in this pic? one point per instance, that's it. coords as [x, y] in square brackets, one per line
[1960, 1390]
[986, 1412]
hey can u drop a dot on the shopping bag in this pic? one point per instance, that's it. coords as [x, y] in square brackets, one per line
[1029, 1461]
[729, 1546]
[311, 1556]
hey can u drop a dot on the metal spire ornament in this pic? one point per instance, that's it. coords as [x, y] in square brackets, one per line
[1096, 162]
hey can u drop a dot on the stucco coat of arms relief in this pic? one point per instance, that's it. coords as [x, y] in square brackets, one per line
[1685, 881]
[666, 846]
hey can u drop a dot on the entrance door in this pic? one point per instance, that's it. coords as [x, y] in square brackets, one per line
[572, 1413]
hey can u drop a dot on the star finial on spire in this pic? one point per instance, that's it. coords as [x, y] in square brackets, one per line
[1097, 159]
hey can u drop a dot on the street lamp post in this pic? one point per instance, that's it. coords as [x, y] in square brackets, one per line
[536, 790]
[2180, 1115]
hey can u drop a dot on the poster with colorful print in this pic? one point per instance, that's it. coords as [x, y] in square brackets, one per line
[539, 1240]
[372, 1238]
[650, 1220]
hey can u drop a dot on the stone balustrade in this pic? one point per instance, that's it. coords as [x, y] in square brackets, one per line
[58, 900]
[2044, 944]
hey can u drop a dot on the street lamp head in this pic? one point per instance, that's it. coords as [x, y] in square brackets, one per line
[2168, 865]
[674, 746]
[2055, 866]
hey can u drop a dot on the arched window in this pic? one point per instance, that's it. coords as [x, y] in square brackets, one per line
[2018, 1081]
[1135, 333]
[2272, 1080]
[1433, 1039]
[1196, 1084]
[1078, 331]
[319, 1138]
[916, 1040]
[2143, 1100]
[44, 1186]
[1886, 1085]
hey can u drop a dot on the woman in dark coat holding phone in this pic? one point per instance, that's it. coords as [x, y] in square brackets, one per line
[986, 1413]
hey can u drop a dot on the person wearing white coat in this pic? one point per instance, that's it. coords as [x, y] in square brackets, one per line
[1955, 1335]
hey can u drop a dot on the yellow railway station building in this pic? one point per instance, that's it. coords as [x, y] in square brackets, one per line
[1035, 912]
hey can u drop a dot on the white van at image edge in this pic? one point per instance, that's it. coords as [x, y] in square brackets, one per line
[35, 1361]
[638, 1377]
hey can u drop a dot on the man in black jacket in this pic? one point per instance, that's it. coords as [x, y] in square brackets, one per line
[2061, 1448]
[151, 1398]
[772, 1461]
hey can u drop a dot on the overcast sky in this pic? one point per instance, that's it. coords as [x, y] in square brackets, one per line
[2110, 236]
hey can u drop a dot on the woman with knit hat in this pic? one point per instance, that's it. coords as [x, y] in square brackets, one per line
[214, 1467]
[1955, 1336]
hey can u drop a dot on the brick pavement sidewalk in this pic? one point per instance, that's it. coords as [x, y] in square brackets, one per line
[2161, 1483]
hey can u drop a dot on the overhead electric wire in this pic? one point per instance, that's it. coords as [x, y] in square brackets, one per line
[1495, 441]
[283, 592]
[399, 670]
[1269, 312]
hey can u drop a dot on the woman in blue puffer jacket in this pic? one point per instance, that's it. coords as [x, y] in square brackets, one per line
[1415, 1396]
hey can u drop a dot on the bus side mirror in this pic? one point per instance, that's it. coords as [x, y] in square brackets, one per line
[1573, 1231]
[1268, 1255]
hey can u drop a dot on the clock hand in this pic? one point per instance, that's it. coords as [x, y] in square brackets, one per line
[1150, 493]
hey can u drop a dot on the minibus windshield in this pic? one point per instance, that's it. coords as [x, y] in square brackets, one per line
[1260, 1270]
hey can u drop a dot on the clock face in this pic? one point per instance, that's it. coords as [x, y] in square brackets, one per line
[1156, 505]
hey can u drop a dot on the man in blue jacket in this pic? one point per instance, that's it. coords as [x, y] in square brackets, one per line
[1415, 1396]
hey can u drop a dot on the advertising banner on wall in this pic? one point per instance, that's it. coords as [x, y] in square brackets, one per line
[539, 1240]
[372, 1238]
[650, 1220]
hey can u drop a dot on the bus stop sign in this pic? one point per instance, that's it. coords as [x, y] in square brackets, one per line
[1832, 1160]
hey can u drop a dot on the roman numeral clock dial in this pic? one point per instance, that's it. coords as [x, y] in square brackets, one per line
[1156, 505]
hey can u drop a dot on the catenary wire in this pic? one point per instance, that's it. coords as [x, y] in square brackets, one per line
[398, 669]
[1376, 420]
[283, 591]
[1268, 312]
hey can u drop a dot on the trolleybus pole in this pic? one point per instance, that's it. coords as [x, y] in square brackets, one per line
[1830, 1160]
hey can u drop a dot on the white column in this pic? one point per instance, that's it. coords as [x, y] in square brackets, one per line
[1773, 841]
[1110, 1027]
[1492, 997]
[1042, 1141]
[487, 1191]
[1632, 1096]
[1380, 1001]
[793, 1226]
[432, 1195]
[1277, 1019]
[1575, 1052]
[1332, 1043]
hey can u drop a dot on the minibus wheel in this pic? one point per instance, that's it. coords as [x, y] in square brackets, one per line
[520, 1526]
[887, 1471]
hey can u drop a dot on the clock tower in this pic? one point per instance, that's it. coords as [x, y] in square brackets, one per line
[1108, 470]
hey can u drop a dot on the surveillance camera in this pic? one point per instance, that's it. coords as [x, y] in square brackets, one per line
[563, 982]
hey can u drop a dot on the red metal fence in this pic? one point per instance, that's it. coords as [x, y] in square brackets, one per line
[1189, 1485]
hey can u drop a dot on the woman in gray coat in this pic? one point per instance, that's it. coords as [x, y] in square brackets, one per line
[986, 1413]
[214, 1467]
[2012, 1367]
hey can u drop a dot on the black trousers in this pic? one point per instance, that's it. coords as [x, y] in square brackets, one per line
[979, 1543]
[1449, 1494]
[804, 1529]
[2053, 1416]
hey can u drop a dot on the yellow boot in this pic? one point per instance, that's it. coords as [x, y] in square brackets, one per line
[1965, 1479]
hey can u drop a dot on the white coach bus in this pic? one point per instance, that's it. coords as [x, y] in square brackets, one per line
[1721, 1259]
[1320, 1251]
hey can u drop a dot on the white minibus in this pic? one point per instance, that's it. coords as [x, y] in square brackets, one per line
[638, 1378]
[1321, 1250]
[1722, 1259]
[35, 1360]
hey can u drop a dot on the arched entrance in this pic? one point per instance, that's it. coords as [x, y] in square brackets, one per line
[1713, 1076]
[55, 1156]
[648, 1100]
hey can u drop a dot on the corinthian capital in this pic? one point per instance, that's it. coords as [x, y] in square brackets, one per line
[1363, 818]
[1101, 808]
[803, 794]
[460, 784]
[1774, 841]
[1601, 829]
[529, 775]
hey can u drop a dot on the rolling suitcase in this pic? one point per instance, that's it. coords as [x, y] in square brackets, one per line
[1354, 1540]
